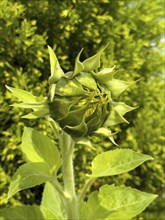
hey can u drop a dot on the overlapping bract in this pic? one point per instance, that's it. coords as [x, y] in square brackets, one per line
[83, 101]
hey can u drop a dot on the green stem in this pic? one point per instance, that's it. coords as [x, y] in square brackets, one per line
[71, 203]
[59, 188]
[87, 186]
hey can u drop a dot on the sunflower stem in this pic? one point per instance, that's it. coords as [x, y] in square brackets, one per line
[71, 203]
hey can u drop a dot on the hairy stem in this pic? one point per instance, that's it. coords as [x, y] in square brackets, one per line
[71, 203]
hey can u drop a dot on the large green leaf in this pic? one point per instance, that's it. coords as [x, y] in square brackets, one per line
[39, 148]
[123, 202]
[56, 71]
[117, 161]
[51, 200]
[115, 203]
[22, 213]
[29, 175]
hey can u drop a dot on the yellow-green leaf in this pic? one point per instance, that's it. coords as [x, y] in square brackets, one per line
[118, 161]
[39, 148]
[29, 175]
[123, 202]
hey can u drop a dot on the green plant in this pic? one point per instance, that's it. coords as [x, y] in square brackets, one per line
[133, 30]
[80, 103]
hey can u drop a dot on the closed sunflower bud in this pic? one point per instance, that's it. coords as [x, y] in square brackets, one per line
[82, 101]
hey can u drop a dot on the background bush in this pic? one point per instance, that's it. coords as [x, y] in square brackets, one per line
[134, 31]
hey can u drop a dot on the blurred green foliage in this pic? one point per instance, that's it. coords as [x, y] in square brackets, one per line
[134, 30]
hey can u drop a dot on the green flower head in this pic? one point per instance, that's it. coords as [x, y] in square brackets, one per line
[82, 101]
